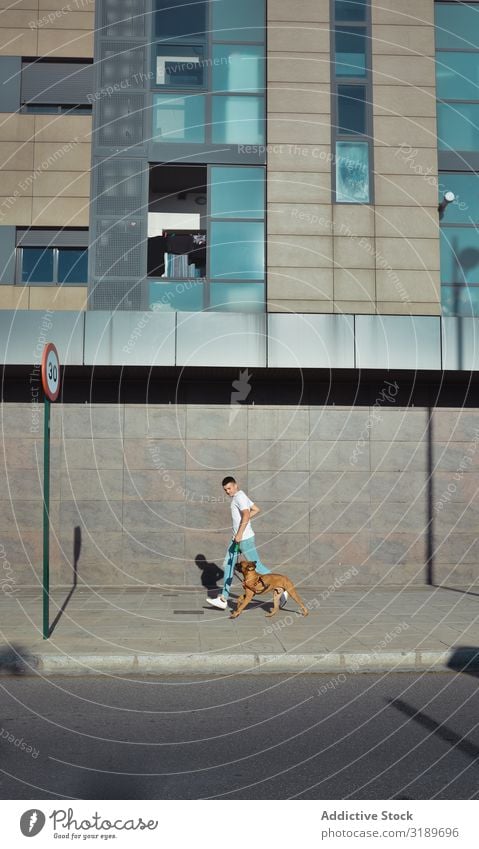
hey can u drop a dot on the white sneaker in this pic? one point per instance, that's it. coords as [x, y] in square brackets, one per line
[218, 602]
[283, 599]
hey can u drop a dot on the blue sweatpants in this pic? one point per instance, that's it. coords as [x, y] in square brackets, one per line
[248, 548]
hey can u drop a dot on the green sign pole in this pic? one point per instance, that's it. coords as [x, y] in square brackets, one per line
[46, 517]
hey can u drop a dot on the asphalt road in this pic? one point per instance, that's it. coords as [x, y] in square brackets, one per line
[400, 736]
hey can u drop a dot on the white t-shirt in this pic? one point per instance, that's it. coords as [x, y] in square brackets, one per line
[240, 502]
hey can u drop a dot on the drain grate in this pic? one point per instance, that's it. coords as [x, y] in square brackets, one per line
[196, 612]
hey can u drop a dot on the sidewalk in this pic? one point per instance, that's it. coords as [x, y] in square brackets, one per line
[154, 631]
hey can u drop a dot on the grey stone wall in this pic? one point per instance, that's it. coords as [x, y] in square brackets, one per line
[338, 487]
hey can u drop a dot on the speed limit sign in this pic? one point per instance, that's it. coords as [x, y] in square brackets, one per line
[51, 372]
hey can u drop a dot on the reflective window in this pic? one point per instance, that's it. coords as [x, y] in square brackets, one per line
[177, 66]
[457, 26]
[72, 265]
[352, 109]
[176, 296]
[175, 19]
[465, 209]
[350, 51]
[459, 255]
[37, 265]
[233, 21]
[457, 76]
[460, 300]
[237, 192]
[179, 119]
[458, 126]
[238, 67]
[350, 10]
[352, 172]
[237, 297]
[238, 119]
[237, 250]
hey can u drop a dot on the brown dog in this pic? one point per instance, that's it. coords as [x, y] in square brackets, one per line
[255, 584]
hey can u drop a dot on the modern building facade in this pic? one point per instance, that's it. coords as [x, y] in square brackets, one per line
[231, 220]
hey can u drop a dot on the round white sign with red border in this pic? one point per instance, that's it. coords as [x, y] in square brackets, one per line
[51, 371]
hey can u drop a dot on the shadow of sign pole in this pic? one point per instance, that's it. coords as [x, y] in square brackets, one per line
[51, 386]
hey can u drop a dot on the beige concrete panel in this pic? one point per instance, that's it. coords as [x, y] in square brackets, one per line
[396, 70]
[411, 12]
[300, 251]
[65, 43]
[300, 37]
[353, 252]
[307, 10]
[300, 306]
[407, 101]
[397, 39]
[58, 297]
[299, 157]
[353, 220]
[14, 297]
[64, 128]
[299, 128]
[71, 19]
[15, 127]
[301, 283]
[421, 286]
[18, 42]
[296, 68]
[402, 160]
[352, 307]
[58, 212]
[405, 190]
[16, 211]
[414, 132]
[19, 19]
[306, 219]
[401, 308]
[16, 157]
[20, 5]
[299, 97]
[62, 156]
[61, 184]
[355, 284]
[289, 187]
[408, 253]
[75, 5]
[15, 181]
[422, 222]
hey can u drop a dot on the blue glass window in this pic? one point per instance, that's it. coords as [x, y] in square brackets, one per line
[458, 126]
[457, 76]
[457, 26]
[352, 109]
[460, 300]
[459, 255]
[72, 265]
[179, 118]
[175, 19]
[350, 51]
[465, 209]
[237, 297]
[352, 172]
[176, 296]
[238, 67]
[238, 119]
[37, 265]
[237, 192]
[178, 65]
[350, 10]
[234, 21]
[237, 250]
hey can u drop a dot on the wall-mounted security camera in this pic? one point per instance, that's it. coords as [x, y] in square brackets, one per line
[448, 197]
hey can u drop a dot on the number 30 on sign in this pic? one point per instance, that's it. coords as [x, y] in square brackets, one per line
[51, 372]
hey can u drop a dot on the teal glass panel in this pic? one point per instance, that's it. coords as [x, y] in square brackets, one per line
[37, 265]
[237, 250]
[350, 10]
[457, 76]
[72, 265]
[459, 255]
[458, 126]
[465, 209]
[179, 118]
[179, 66]
[350, 52]
[352, 172]
[238, 21]
[176, 296]
[237, 297]
[238, 67]
[460, 300]
[237, 192]
[178, 20]
[352, 109]
[457, 26]
[238, 119]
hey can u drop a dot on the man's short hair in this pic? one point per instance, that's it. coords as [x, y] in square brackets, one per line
[226, 480]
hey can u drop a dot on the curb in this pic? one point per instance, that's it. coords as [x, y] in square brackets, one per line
[267, 664]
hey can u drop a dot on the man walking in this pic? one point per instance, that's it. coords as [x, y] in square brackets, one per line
[242, 511]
